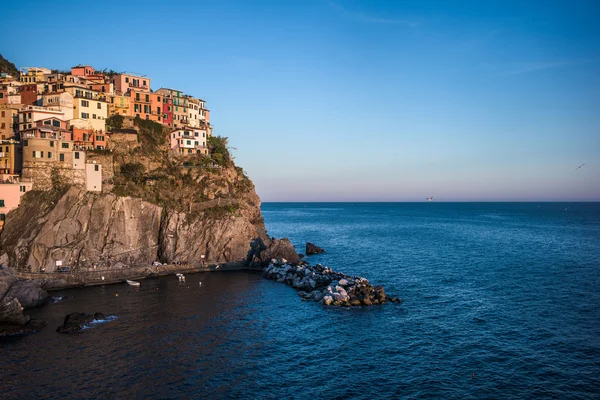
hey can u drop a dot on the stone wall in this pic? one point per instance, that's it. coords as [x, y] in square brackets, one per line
[41, 174]
[123, 142]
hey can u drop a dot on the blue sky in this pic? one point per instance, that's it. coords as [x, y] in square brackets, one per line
[358, 100]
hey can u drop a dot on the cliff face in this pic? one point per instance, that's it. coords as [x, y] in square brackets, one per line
[84, 230]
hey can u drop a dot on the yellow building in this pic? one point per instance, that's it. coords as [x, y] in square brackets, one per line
[119, 105]
[8, 118]
[11, 157]
[34, 74]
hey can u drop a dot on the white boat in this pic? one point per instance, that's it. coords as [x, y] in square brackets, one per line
[133, 283]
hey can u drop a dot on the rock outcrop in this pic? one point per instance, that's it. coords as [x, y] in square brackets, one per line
[77, 321]
[15, 295]
[264, 251]
[313, 249]
[86, 231]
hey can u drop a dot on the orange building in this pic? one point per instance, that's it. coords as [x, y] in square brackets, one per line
[89, 139]
[146, 105]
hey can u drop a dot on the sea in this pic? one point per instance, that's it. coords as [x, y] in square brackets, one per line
[500, 301]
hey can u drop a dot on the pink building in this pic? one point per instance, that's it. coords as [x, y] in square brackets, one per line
[11, 190]
[82, 70]
[124, 82]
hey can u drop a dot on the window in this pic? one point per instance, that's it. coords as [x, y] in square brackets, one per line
[56, 123]
[76, 154]
[144, 83]
[65, 145]
[158, 98]
[126, 80]
[99, 138]
[61, 157]
[85, 115]
[173, 136]
[196, 134]
[94, 116]
[196, 143]
[52, 143]
[23, 189]
[85, 103]
[99, 106]
[49, 154]
[188, 142]
[137, 97]
[96, 168]
[2, 216]
[1, 203]
[25, 142]
[47, 122]
[147, 96]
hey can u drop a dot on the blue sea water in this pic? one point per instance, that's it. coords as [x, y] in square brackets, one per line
[501, 300]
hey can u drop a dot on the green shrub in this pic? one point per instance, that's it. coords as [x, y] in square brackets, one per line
[133, 172]
[114, 122]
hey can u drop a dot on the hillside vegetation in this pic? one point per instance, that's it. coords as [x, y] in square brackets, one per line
[8, 67]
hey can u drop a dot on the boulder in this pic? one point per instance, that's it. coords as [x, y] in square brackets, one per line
[343, 282]
[327, 300]
[313, 249]
[11, 312]
[75, 322]
[29, 293]
[6, 281]
[261, 254]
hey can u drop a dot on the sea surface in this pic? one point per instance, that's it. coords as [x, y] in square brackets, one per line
[501, 301]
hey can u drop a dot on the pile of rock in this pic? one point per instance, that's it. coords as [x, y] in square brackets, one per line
[326, 286]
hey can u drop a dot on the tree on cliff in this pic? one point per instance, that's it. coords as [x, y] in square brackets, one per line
[8, 67]
[219, 151]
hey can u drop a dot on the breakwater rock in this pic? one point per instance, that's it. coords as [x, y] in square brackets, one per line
[326, 286]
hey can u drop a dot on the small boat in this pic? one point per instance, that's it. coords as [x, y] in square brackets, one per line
[181, 277]
[132, 283]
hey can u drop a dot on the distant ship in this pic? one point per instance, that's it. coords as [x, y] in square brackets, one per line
[429, 198]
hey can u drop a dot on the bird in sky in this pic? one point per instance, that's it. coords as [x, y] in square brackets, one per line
[579, 167]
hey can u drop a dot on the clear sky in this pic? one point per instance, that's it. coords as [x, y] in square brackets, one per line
[352, 100]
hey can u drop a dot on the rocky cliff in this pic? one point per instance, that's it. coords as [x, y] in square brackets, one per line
[84, 230]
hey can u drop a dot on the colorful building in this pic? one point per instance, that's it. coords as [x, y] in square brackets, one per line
[11, 190]
[82, 70]
[125, 82]
[62, 101]
[33, 74]
[28, 116]
[11, 155]
[9, 116]
[89, 139]
[119, 105]
[167, 110]
[29, 94]
[145, 105]
[189, 140]
[89, 110]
